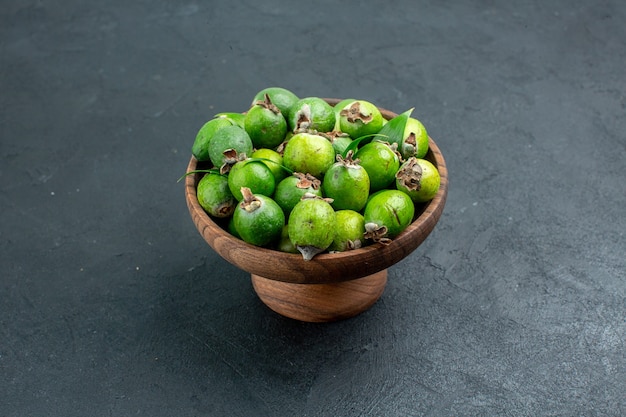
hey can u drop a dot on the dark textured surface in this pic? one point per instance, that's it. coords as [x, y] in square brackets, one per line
[112, 305]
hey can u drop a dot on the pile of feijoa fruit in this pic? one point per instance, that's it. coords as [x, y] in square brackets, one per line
[303, 176]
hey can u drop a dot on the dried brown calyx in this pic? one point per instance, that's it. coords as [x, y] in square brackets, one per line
[303, 118]
[410, 175]
[307, 181]
[249, 202]
[353, 113]
[376, 233]
[231, 157]
[331, 136]
[348, 161]
[267, 103]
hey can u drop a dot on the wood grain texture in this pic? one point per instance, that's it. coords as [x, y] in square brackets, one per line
[327, 267]
[321, 302]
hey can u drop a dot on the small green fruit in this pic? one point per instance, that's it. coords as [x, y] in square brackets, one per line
[285, 244]
[273, 160]
[387, 214]
[309, 153]
[258, 219]
[265, 124]
[215, 197]
[234, 118]
[360, 118]
[415, 139]
[381, 163]
[291, 190]
[281, 97]
[311, 113]
[349, 231]
[347, 184]
[252, 174]
[229, 145]
[200, 148]
[312, 226]
[419, 179]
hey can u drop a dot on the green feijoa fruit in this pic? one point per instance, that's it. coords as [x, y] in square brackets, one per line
[311, 113]
[309, 153]
[215, 197]
[419, 179]
[291, 190]
[265, 124]
[347, 184]
[360, 118]
[283, 99]
[312, 226]
[273, 160]
[252, 174]
[381, 162]
[387, 214]
[285, 244]
[235, 118]
[229, 145]
[415, 139]
[337, 108]
[258, 219]
[349, 231]
[200, 148]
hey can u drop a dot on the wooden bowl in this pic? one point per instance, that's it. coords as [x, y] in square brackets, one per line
[331, 286]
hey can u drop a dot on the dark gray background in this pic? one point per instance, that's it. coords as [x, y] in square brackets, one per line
[111, 304]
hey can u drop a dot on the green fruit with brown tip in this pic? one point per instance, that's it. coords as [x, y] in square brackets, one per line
[215, 197]
[291, 190]
[347, 184]
[258, 219]
[387, 214]
[283, 98]
[415, 139]
[419, 179]
[360, 118]
[229, 145]
[349, 231]
[200, 148]
[265, 124]
[311, 113]
[312, 226]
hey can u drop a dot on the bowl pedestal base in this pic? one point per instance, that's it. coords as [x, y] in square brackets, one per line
[321, 302]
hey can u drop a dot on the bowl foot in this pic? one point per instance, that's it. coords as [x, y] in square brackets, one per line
[321, 302]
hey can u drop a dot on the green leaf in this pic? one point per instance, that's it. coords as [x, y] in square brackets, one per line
[394, 128]
[209, 171]
[354, 145]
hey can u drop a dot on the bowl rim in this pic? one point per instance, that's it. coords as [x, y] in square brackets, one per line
[325, 267]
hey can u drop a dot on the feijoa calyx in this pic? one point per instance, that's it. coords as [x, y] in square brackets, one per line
[258, 219]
